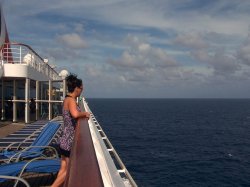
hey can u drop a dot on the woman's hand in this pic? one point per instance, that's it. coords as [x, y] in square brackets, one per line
[86, 115]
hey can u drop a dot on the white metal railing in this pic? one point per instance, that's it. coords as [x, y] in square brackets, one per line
[105, 144]
[18, 53]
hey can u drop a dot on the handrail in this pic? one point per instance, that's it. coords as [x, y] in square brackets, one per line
[119, 166]
[116, 157]
[114, 172]
[25, 45]
[24, 54]
[83, 167]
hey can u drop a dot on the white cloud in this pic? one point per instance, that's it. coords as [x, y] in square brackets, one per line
[192, 40]
[142, 55]
[72, 40]
[244, 52]
[221, 63]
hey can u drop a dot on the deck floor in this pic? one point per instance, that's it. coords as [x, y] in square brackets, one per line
[17, 132]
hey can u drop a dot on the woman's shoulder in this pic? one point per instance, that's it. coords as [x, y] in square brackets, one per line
[66, 102]
[69, 102]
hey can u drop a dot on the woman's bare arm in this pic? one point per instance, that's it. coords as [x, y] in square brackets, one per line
[72, 107]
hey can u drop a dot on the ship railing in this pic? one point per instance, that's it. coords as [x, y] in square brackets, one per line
[83, 167]
[113, 162]
[93, 161]
[18, 53]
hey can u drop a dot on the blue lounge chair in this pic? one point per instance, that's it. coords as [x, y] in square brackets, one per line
[36, 149]
[15, 178]
[15, 170]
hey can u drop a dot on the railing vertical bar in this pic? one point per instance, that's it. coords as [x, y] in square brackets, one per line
[20, 61]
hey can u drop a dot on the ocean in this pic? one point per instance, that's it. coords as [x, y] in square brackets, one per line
[179, 142]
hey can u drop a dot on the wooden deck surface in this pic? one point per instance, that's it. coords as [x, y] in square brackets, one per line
[7, 127]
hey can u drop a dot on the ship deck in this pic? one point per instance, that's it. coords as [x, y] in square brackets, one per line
[7, 130]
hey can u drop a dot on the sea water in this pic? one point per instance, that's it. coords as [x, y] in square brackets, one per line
[179, 142]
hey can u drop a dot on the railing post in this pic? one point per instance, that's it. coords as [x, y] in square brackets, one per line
[27, 98]
[3, 107]
[20, 59]
[14, 102]
[37, 98]
[7, 55]
[64, 88]
[50, 105]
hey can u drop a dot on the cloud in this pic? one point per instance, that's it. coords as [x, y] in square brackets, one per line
[221, 63]
[142, 55]
[79, 28]
[244, 52]
[72, 40]
[190, 40]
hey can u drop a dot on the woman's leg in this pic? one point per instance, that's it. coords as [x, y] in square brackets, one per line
[62, 172]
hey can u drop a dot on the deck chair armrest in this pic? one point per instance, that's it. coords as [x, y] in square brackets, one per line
[23, 142]
[19, 144]
[16, 157]
[12, 144]
[47, 147]
[53, 149]
[15, 178]
[30, 162]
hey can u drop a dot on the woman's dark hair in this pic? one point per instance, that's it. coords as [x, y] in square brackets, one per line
[73, 82]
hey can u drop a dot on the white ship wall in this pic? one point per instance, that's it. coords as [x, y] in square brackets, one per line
[23, 71]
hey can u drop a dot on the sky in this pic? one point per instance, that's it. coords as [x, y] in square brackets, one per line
[141, 48]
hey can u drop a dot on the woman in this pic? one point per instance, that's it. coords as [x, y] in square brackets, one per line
[71, 112]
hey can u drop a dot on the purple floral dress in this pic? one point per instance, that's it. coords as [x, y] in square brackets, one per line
[68, 132]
